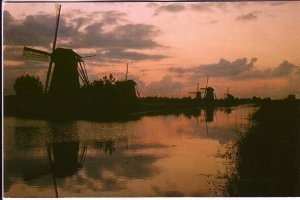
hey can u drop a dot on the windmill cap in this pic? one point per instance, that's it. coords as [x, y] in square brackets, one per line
[65, 55]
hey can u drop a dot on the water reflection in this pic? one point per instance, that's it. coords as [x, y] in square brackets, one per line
[136, 158]
[209, 113]
[107, 146]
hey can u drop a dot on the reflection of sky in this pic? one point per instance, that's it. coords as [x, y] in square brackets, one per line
[155, 156]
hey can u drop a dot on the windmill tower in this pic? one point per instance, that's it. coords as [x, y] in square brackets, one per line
[229, 98]
[209, 94]
[63, 80]
[197, 93]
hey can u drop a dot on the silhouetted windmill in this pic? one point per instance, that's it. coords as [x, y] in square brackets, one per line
[132, 87]
[228, 96]
[209, 94]
[197, 92]
[68, 66]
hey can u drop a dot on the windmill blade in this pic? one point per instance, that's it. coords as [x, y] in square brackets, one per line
[82, 74]
[48, 76]
[58, 7]
[85, 72]
[35, 54]
[88, 56]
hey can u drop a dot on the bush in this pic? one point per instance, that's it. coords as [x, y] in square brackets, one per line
[28, 87]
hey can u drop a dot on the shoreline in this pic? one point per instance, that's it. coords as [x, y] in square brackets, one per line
[267, 155]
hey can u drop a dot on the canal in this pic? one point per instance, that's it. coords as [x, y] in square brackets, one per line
[161, 155]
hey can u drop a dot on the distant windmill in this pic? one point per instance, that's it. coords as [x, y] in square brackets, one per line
[68, 68]
[229, 98]
[209, 94]
[227, 92]
[197, 92]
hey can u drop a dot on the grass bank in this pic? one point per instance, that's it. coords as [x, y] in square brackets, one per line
[267, 160]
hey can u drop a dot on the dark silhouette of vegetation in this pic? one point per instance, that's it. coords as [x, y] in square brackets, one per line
[28, 99]
[28, 87]
[108, 98]
[291, 97]
[105, 99]
[268, 155]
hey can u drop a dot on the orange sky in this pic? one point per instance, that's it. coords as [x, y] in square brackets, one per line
[170, 46]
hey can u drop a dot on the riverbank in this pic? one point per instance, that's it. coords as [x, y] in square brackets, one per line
[267, 159]
[107, 108]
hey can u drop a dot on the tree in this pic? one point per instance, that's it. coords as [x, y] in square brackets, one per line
[28, 87]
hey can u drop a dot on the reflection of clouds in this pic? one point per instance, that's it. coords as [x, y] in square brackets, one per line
[122, 165]
[28, 138]
[170, 193]
[99, 173]
[147, 151]
[24, 168]
[147, 146]
[222, 128]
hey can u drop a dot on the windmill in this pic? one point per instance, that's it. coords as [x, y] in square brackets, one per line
[227, 92]
[229, 98]
[63, 80]
[132, 87]
[197, 92]
[209, 94]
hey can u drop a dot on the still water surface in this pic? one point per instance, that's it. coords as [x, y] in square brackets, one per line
[163, 155]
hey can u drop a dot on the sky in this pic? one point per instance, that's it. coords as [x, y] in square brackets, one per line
[252, 48]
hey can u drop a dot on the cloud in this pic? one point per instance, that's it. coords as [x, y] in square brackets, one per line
[247, 17]
[213, 21]
[165, 87]
[77, 31]
[201, 7]
[114, 17]
[94, 35]
[227, 68]
[121, 54]
[240, 69]
[278, 3]
[7, 18]
[152, 5]
[133, 36]
[13, 53]
[223, 68]
[34, 30]
[282, 70]
[172, 8]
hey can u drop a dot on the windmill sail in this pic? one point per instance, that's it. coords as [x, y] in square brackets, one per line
[57, 8]
[35, 54]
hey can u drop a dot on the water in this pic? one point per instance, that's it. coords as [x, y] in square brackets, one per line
[167, 155]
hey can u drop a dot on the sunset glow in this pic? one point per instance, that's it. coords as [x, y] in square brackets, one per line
[250, 47]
